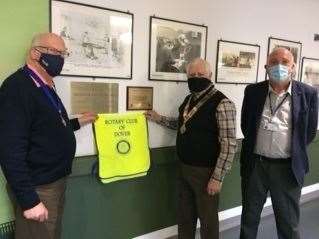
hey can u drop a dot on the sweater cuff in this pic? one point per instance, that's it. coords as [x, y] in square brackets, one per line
[28, 200]
[75, 124]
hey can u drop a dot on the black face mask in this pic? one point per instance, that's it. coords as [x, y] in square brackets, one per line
[52, 64]
[198, 84]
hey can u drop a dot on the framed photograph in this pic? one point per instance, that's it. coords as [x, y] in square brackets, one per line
[139, 98]
[173, 44]
[237, 62]
[293, 46]
[310, 72]
[99, 40]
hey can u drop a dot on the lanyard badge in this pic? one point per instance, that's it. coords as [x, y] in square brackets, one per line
[269, 124]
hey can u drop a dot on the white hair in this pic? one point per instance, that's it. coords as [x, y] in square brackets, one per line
[199, 61]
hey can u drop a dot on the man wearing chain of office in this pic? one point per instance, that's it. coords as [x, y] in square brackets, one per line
[206, 144]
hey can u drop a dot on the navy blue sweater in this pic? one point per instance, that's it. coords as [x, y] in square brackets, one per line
[35, 147]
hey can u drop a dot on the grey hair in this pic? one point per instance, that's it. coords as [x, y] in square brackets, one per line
[281, 49]
[37, 39]
[199, 61]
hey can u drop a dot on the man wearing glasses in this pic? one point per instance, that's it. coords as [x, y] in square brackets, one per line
[37, 143]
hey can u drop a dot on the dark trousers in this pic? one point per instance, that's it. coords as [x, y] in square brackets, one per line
[277, 179]
[53, 197]
[194, 202]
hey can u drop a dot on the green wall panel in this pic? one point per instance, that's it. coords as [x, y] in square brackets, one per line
[19, 21]
[121, 209]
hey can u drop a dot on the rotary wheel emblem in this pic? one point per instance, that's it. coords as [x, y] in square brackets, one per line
[123, 147]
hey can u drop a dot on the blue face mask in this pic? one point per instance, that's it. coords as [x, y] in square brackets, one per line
[52, 64]
[278, 73]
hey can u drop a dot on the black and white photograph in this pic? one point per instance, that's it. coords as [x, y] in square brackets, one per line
[173, 45]
[293, 46]
[237, 63]
[99, 40]
[310, 72]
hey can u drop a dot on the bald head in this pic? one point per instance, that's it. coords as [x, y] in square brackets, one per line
[51, 40]
[47, 45]
[280, 67]
[282, 56]
[199, 68]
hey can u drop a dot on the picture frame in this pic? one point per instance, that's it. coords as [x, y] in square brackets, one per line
[310, 72]
[139, 98]
[237, 62]
[99, 40]
[172, 45]
[295, 47]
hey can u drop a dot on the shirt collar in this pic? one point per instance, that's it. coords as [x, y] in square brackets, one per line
[270, 89]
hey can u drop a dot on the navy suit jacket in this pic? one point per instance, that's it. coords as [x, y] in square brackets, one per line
[304, 125]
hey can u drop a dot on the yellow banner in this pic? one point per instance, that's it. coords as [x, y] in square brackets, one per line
[122, 143]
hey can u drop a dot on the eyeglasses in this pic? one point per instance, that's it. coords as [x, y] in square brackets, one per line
[51, 50]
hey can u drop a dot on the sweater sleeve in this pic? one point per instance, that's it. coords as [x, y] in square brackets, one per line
[75, 124]
[15, 124]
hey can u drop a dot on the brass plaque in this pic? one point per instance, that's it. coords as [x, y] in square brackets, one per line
[139, 98]
[94, 97]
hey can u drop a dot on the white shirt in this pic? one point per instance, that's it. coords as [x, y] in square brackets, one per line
[274, 133]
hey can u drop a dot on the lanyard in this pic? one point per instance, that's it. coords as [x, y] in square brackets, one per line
[57, 104]
[273, 112]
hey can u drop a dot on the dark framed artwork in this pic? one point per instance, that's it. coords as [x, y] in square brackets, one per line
[293, 46]
[173, 44]
[237, 62]
[139, 98]
[99, 40]
[310, 72]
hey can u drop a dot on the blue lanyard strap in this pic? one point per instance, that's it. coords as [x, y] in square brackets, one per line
[56, 103]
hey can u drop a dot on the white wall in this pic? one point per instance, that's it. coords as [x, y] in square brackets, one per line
[253, 21]
[250, 21]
